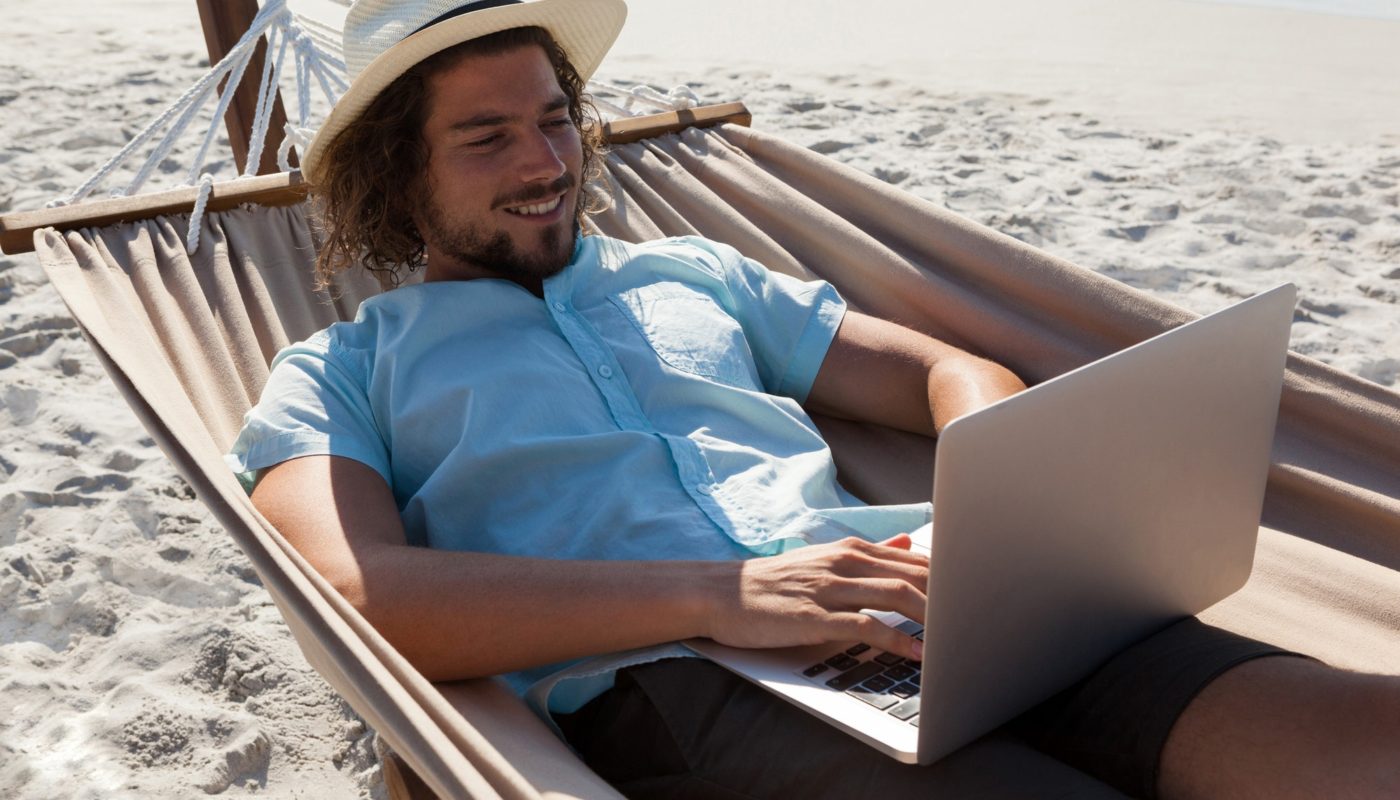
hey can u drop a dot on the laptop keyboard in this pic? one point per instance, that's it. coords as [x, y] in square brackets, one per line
[884, 680]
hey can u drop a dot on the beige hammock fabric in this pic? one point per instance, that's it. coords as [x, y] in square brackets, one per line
[188, 339]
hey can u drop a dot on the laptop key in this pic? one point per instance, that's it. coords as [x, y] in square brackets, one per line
[889, 659]
[855, 650]
[913, 721]
[905, 689]
[841, 661]
[814, 670]
[900, 672]
[852, 677]
[909, 627]
[879, 683]
[877, 699]
[907, 709]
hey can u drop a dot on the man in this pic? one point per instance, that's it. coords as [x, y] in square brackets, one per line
[558, 447]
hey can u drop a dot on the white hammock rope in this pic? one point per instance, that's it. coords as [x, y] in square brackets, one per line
[262, 117]
[235, 77]
[680, 97]
[327, 36]
[317, 60]
[283, 31]
[206, 185]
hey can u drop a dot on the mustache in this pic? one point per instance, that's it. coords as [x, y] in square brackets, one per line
[530, 194]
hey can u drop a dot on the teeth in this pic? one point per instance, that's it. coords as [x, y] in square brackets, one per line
[536, 209]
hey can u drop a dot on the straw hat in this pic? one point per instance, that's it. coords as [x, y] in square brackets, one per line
[385, 38]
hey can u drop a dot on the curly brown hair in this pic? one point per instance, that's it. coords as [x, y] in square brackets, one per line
[373, 182]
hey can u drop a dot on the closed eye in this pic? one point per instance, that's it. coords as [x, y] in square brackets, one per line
[485, 141]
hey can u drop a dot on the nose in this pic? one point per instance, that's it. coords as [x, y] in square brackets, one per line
[541, 157]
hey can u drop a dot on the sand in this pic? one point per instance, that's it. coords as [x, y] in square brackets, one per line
[138, 654]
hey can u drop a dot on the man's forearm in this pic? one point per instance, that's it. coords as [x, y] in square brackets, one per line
[461, 615]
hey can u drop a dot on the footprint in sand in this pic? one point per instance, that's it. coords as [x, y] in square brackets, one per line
[1326, 309]
[21, 403]
[1165, 213]
[156, 738]
[1351, 189]
[7, 281]
[1381, 293]
[95, 483]
[1267, 262]
[1133, 233]
[1276, 226]
[1358, 214]
[1097, 175]
[1263, 199]
[122, 461]
[1332, 231]
[244, 762]
[891, 176]
[29, 343]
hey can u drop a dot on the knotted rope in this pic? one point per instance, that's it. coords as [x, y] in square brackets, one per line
[283, 31]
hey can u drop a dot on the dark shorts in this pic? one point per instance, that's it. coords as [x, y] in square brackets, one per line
[686, 728]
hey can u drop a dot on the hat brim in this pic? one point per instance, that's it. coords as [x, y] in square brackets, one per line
[586, 29]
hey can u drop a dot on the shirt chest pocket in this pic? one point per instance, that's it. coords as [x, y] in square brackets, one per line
[690, 331]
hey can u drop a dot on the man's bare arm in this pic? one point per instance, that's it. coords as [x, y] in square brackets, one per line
[877, 371]
[459, 615]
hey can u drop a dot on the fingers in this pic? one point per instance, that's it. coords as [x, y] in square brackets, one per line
[861, 559]
[886, 577]
[815, 594]
[859, 627]
[896, 548]
[879, 594]
[901, 540]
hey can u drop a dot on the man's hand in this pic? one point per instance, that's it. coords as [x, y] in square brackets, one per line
[815, 595]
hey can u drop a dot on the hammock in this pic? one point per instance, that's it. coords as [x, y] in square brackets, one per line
[185, 310]
[188, 338]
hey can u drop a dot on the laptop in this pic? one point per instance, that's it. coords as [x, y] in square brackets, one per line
[1069, 521]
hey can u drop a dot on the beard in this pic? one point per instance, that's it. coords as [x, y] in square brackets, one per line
[496, 250]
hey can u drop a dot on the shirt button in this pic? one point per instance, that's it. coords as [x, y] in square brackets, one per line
[703, 488]
[559, 306]
[605, 371]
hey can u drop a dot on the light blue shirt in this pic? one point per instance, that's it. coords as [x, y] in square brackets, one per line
[648, 407]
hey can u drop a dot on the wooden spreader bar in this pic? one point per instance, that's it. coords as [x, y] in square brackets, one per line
[635, 129]
[285, 188]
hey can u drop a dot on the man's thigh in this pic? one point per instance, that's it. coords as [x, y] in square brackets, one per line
[688, 728]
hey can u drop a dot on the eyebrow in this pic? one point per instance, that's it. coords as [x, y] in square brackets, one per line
[488, 119]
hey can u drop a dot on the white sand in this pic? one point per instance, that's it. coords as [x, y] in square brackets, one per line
[138, 655]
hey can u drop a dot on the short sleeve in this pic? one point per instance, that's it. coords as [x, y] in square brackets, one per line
[789, 323]
[315, 403]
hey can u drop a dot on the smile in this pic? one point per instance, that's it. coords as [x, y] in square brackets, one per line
[536, 209]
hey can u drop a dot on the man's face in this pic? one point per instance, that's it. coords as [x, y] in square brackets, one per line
[504, 163]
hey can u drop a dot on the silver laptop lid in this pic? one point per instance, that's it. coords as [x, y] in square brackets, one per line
[1077, 517]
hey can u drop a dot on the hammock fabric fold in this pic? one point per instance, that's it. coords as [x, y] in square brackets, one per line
[188, 339]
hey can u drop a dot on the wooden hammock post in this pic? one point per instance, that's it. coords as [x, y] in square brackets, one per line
[225, 22]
